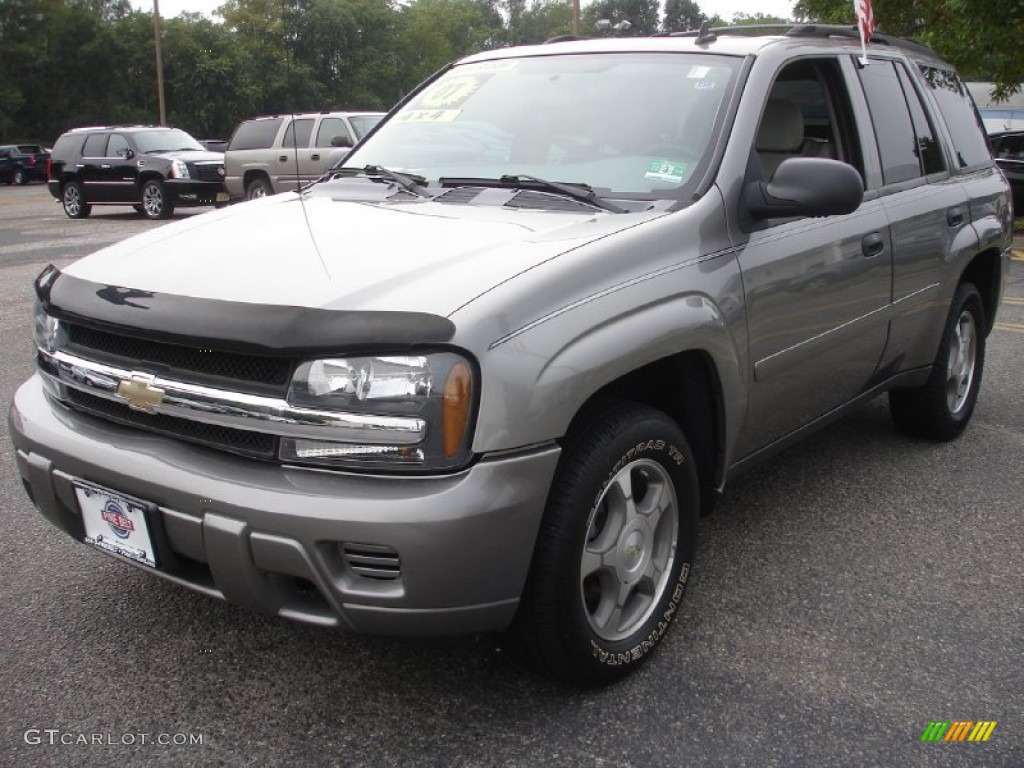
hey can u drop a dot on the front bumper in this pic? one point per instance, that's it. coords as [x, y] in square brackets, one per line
[193, 192]
[275, 539]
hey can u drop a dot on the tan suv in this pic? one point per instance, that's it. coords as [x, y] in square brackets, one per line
[267, 155]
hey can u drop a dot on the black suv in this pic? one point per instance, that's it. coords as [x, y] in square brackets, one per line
[150, 168]
[1008, 150]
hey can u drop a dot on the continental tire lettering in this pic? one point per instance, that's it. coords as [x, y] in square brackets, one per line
[641, 649]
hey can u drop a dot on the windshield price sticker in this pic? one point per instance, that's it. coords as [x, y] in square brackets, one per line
[428, 116]
[666, 170]
[451, 92]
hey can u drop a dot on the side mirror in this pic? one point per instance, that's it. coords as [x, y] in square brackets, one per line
[127, 154]
[341, 141]
[805, 186]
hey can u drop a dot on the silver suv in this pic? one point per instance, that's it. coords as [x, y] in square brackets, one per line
[267, 155]
[487, 375]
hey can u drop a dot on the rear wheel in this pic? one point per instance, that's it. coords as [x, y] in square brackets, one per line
[155, 203]
[615, 547]
[73, 199]
[941, 408]
[258, 187]
[20, 177]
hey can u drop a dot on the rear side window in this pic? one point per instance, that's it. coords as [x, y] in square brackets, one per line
[255, 134]
[95, 146]
[906, 142]
[970, 147]
[298, 134]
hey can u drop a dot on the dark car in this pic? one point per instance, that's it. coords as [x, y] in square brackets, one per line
[17, 166]
[151, 168]
[37, 162]
[1008, 150]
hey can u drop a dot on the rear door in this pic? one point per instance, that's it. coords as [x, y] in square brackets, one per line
[292, 153]
[927, 208]
[94, 171]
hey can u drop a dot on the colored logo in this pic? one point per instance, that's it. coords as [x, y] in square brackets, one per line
[116, 519]
[958, 730]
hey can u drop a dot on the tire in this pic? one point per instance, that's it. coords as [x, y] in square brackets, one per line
[941, 409]
[257, 188]
[605, 583]
[72, 197]
[155, 202]
[20, 177]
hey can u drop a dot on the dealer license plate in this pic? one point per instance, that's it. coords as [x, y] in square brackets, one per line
[222, 197]
[115, 524]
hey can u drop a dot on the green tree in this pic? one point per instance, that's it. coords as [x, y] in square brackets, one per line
[681, 15]
[982, 39]
[642, 15]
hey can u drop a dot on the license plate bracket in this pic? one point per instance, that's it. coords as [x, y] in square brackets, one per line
[116, 523]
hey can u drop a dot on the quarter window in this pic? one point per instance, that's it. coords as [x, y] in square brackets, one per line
[970, 147]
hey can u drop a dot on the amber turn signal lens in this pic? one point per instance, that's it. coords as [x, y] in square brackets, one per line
[458, 395]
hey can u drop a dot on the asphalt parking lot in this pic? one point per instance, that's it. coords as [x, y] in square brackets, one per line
[848, 593]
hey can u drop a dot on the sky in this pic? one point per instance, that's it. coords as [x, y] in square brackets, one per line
[724, 8]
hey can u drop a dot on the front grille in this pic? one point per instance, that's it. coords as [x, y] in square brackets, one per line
[136, 353]
[244, 442]
[372, 561]
[209, 171]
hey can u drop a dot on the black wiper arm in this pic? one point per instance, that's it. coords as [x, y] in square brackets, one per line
[582, 192]
[407, 181]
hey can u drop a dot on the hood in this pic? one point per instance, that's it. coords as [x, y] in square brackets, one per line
[319, 252]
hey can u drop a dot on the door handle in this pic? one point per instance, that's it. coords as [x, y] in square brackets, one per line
[872, 244]
[315, 157]
[283, 158]
[105, 167]
[955, 215]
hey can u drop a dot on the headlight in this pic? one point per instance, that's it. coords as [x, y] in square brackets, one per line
[49, 332]
[436, 389]
[179, 170]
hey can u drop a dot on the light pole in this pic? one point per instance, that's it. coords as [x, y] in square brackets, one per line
[159, 62]
[576, 17]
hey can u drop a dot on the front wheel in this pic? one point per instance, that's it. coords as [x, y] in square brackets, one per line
[941, 408]
[20, 177]
[615, 547]
[73, 199]
[155, 203]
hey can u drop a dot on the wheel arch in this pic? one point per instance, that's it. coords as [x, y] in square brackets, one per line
[986, 274]
[251, 175]
[687, 387]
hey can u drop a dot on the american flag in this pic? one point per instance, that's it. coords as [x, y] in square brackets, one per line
[865, 19]
[866, 22]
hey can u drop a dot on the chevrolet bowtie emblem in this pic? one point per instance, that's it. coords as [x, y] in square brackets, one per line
[140, 393]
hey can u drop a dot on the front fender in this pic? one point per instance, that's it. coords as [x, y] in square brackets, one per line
[537, 379]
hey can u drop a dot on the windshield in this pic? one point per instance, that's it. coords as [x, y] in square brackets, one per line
[165, 141]
[636, 124]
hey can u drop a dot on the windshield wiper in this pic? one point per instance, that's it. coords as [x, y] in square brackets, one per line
[407, 181]
[584, 193]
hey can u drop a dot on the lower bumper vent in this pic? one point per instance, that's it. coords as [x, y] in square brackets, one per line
[372, 561]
